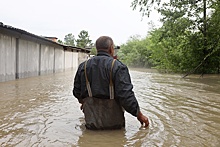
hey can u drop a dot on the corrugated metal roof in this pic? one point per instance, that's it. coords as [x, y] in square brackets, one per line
[40, 37]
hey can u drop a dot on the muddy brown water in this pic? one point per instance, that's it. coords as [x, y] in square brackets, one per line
[41, 111]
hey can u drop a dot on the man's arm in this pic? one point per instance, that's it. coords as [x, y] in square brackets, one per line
[77, 85]
[124, 92]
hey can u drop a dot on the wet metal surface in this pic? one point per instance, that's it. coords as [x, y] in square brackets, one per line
[41, 111]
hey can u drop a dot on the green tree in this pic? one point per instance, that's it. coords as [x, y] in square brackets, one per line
[60, 41]
[135, 52]
[69, 39]
[83, 39]
[145, 5]
[189, 37]
[93, 51]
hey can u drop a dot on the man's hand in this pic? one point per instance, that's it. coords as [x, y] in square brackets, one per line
[143, 119]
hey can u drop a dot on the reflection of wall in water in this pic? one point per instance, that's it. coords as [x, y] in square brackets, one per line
[23, 55]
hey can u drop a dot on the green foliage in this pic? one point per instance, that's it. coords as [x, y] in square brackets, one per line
[83, 39]
[69, 39]
[93, 51]
[145, 5]
[189, 38]
[60, 41]
[136, 53]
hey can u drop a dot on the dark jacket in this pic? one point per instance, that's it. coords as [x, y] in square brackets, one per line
[98, 72]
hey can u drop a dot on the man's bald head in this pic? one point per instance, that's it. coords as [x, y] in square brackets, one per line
[104, 43]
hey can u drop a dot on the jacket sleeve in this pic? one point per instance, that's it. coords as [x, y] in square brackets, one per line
[124, 92]
[77, 85]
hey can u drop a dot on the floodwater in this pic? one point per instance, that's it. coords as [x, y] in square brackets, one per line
[41, 111]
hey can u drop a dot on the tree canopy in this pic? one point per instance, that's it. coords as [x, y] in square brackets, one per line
[69, 39]
[188, 40]
[83, 39]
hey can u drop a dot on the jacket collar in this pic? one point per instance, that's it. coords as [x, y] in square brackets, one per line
[103, 53]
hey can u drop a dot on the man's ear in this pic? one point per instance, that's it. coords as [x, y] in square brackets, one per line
[112, 50]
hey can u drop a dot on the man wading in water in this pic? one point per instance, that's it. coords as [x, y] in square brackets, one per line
[103, 86]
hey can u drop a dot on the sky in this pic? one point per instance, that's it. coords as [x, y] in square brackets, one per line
[57, 18]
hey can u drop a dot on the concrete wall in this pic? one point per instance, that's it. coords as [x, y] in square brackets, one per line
[26, 56]
[68, 60]
[75, 60]
[47, 60]
[59, 60]
[82, 57]
[7, 58]
[71, 60]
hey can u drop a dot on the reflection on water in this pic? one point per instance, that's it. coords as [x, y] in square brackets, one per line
[41, 111]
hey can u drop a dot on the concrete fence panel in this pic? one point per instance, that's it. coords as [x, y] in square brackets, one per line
[68, 60]
[75, 61]
[59, 60]
[28, 59]
[47, 59]
[7, 58]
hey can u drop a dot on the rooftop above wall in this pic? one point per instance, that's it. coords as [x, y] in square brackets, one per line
[19, 33]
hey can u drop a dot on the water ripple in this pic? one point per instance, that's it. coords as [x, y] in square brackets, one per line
[41, 111]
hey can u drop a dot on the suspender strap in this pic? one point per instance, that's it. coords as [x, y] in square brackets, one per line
[87, 81]
[111, 86]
